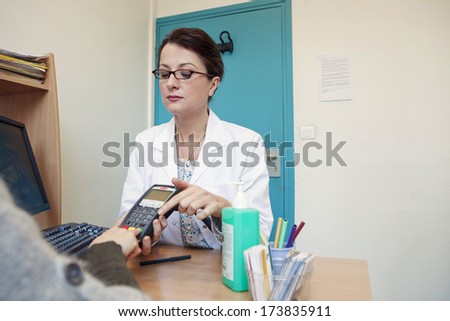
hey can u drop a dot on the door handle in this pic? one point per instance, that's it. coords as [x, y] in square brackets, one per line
[273, 162]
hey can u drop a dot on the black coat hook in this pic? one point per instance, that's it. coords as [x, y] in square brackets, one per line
[225, 46]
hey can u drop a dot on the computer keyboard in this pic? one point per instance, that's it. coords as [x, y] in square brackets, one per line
[72, 238]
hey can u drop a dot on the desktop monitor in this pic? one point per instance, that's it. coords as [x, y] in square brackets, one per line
[18, 167]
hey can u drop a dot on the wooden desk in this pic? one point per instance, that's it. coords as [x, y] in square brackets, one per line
[200, 278]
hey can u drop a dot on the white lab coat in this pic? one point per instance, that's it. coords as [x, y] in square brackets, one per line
[230, 153]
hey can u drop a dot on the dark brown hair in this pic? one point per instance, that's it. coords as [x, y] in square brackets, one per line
[201, 43]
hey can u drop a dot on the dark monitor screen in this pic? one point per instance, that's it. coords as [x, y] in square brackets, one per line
[18, 167]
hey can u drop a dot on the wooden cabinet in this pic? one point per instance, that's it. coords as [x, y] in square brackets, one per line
[36, 105]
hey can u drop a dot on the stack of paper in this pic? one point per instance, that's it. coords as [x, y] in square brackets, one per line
[259, 269]
[23, 66]
[282, 287]
[296, 264]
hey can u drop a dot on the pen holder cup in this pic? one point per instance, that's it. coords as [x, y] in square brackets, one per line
[278, 255]
[273, 287]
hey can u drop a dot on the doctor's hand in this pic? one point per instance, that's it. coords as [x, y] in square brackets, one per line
[195, 200]
[158, 226]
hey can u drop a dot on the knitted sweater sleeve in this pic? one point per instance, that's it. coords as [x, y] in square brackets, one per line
[107, 262]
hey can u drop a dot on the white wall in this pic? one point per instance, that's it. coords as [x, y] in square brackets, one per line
[390, 205]
[101, 56]
[173, 7]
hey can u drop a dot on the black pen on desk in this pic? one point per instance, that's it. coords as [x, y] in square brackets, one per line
[167, 259]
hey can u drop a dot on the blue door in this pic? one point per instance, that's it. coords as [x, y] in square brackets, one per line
[256, 91]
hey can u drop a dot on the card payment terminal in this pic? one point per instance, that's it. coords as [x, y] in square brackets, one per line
[145, 211]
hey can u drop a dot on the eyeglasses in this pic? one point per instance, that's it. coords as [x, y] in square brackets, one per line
[179, 73]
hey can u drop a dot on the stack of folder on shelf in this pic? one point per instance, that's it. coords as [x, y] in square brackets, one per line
[23, 66]
[264, 285]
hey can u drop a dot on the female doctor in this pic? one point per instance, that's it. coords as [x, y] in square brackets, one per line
[195, 151]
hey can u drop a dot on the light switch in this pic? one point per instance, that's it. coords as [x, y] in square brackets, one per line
[307, 132]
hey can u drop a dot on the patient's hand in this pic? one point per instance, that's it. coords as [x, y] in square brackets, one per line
[126, 239]
[158, 226]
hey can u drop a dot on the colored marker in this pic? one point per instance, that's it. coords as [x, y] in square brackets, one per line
[277, 233]
[263, 239]
[282, 234]
[290, 241]
[297, 232]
